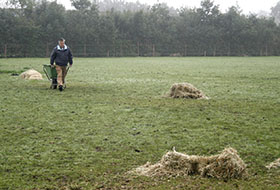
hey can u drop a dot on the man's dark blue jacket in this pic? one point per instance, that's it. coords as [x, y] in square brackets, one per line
[61, 56]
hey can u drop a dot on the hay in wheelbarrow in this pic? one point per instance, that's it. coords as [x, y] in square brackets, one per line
[185, 90]
[274, 165]
[31, 74]
[227, 165]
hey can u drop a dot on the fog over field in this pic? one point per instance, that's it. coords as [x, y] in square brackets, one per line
[248, 6]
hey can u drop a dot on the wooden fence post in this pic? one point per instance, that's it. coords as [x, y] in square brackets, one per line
[121, 50]
[229, 50]
[214, 52]
[138, 48]
[85, 50]
[47, 50]
[154, 50]
[5, 51]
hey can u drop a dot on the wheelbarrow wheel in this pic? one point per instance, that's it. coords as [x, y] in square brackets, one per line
[54, 84]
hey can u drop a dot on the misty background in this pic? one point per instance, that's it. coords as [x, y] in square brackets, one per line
[247, 6]
[98, 28]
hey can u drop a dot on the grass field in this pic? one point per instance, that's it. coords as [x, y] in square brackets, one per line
[113, 118]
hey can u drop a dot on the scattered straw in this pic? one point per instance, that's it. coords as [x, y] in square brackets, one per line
[223, 166]
[185, 90]
[31, 75]
[274, 165]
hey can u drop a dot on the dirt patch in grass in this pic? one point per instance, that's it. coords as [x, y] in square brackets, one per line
[226, 165]
[185, 90]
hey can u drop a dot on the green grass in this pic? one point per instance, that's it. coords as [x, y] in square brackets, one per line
[112, 118]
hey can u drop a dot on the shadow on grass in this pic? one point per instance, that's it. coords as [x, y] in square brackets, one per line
[10, 72]
[77, 88]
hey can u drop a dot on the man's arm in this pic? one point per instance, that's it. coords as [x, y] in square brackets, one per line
[70, 57]
[53, 56]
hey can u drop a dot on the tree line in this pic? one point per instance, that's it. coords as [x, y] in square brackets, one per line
[31, 28]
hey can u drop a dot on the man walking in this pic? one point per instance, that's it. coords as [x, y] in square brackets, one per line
[61, 56]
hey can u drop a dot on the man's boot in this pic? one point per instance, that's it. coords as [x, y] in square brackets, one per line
[60, 88]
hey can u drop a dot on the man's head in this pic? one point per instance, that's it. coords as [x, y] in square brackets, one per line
[61, 42]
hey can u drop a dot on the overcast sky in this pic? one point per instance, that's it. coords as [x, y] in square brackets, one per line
[253, 6]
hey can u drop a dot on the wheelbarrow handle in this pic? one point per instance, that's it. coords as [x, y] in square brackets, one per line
[44, 69]
[67, 69]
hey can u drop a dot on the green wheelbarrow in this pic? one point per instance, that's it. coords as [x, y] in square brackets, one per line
[52, 75]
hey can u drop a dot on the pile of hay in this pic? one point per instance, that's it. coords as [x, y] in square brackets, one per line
[222, 166]
[274, 165]
[31, 75]
[185, 90]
